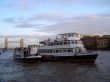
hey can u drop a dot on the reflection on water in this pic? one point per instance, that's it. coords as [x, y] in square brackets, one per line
[11, 71]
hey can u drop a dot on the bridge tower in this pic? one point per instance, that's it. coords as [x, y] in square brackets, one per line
[21, 42]
[6, 43]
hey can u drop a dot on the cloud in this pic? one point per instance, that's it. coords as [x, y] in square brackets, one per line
[96, 2]
[72, 2]
[48, 16]
[60, 23]
[9, 20]
[24, 3]
[85, 2]
[27, 25]
[68, 2]
[30, 4]
[36, 21]
[88, 24]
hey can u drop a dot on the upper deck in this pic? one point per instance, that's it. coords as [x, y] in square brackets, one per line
[68, 36]
[62, 37]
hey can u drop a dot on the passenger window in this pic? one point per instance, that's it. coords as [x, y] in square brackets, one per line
[64, 50]
[69, 50]
[60, 51]
[57, 43]
[51, 44]
[68, 42]
[50, 51]
[76, 42]
[56, 51]
[72, 42]
[61, 43]
[65, 42]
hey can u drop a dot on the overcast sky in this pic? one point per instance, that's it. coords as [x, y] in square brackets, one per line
[47, 17]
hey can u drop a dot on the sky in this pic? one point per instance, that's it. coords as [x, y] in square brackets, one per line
[42, 18]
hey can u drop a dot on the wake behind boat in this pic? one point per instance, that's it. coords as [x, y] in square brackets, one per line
[65, 47]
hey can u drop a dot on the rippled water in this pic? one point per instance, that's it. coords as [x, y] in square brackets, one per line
[11, 71]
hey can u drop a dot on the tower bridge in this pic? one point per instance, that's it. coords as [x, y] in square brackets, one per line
[21, 42]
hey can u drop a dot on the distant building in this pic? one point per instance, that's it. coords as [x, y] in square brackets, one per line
[96, 42]
[106, 36]
[102, 43]
[89, 42]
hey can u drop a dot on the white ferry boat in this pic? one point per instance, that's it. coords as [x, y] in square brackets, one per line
[27, 54]
[66, 47]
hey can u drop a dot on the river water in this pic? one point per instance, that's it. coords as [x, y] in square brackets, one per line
[11, 71]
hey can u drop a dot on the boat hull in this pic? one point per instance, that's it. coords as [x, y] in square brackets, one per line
[51, 58]
[27, 59]
[79, 58]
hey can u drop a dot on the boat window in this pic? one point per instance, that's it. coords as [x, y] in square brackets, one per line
[48, 44]
[70, 50]
[56, 51]
[61, 43]
[41, 51]
[44, 50]
[77, 50]
[44, 43]
[72, 42]
[51, 44]
[65, 42]
[50, 51]
[80, 42]
[69, 35]
[57, 43]
[38, 51]
[68, 42]
[64, 50]
[60, 50]
[47, 51]
[53, 51]
[76, 42]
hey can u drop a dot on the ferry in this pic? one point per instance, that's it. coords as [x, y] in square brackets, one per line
[65, 47]
[27, 54]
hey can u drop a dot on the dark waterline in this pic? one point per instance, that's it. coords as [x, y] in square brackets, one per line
[11, 71]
